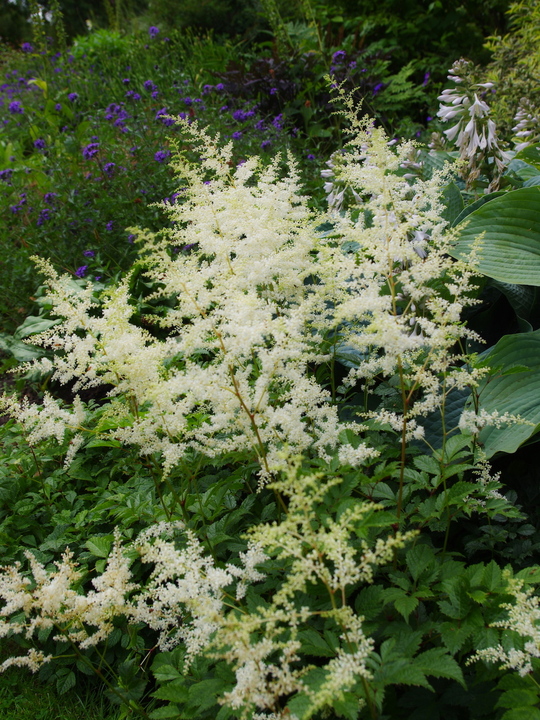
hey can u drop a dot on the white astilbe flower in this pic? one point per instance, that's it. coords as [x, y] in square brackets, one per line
[251, 304]
[473, 132]
[523, 618]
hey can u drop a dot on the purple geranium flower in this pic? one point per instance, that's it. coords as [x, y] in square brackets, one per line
[339, 56]
[57, 107]
[153, 31]
[44, 215]
[26, 47]
[15, 107]
[48, 198]
[377, 88]
[81, 271]
[39, 144]
[237, 135]
[161, 156]
[73, 96]
[109, 226]
[149, 85]
[6, 175]
[89, 253]
[90, 150]
[108, 168]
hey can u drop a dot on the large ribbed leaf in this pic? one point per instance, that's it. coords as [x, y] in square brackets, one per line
[511, 246]
[513, 387]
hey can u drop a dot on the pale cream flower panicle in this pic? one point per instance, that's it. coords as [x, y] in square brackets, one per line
[523, 618]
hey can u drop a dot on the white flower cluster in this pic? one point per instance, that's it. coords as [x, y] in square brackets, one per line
[527, 128]
[254, 297]
[188, 599]
[474, 132]
[523, 619]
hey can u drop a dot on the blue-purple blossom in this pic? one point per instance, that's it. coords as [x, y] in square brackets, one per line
[243, 115]
[273, 91]
[153, 31]
[311, 156]
[149, 85]
[44, 215]
[377, 88]
[73, 96]
[277, 122]
[108, 168]
[6, 175]
[131, 238]
[26, 47]
[89, 253]
[161, 156]
[207, 88]
[339, 56]
[39, 144]
[90, 150]
[155, 94]
[219, 87]
[48, 198]
[126, 81]
[15, 107]
[109, 226]
[237, 135]
[97, 277]
[426, 78]
[265, 144]
[57, 107]
[81, 271]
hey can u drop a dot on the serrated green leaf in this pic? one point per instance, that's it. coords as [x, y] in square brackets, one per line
[437, 663]
[530, 574]
[166, 672]
[517, 697]
[175, 691]
[164, 713]
[314, 644]
[522, 713]
[419, 558]
[405, 605]
[100, 546]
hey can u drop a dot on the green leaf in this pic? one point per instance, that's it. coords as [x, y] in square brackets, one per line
[163, 673]
[65, 682]
[164, 713]
[522, 713]
[453, 202]
[517, 697]
[100, 546]
[517, 393]
[175, 691]
[510, 249]
[475, 205]
[314, 644]
[405, 605]
[419, 558]
[437, 663]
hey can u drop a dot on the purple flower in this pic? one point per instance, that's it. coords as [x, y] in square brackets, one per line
[89, 253]
[97, 277]
[108, 168]
[311, 156]
[135, 96]
[131, 238]
[265, 144]
[223, 108]
[44, 215]
[219, 87]
[73, 96]
[90, 150]
[81, 271]
[15, 107]
[149, 85]
[237, 135]
[39, 144]
[161, 156]
[339, 56]
[155, 94]
[377, 88]
[426, 79]
[277, 122]
[48, 198]
[26, 47]
[259, 125]
[429, 118]
[126, 81]
[273, 91]
[109, 226]
[207, 88]
[153, 31]
[6, 175]
[57, 107]
[352, 64]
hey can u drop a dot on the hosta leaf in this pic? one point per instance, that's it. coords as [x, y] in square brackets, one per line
[517, 393]
[510, 249]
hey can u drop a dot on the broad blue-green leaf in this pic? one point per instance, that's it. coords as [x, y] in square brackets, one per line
[517, 393]
[510, 249]
[475, 205]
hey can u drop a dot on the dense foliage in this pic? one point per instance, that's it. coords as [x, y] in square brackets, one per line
[268, 448]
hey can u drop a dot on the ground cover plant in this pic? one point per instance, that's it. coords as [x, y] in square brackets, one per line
[268, 465]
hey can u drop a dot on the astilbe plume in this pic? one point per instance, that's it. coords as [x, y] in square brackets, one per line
[190, 600]
[261, 297]
[523, 619]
